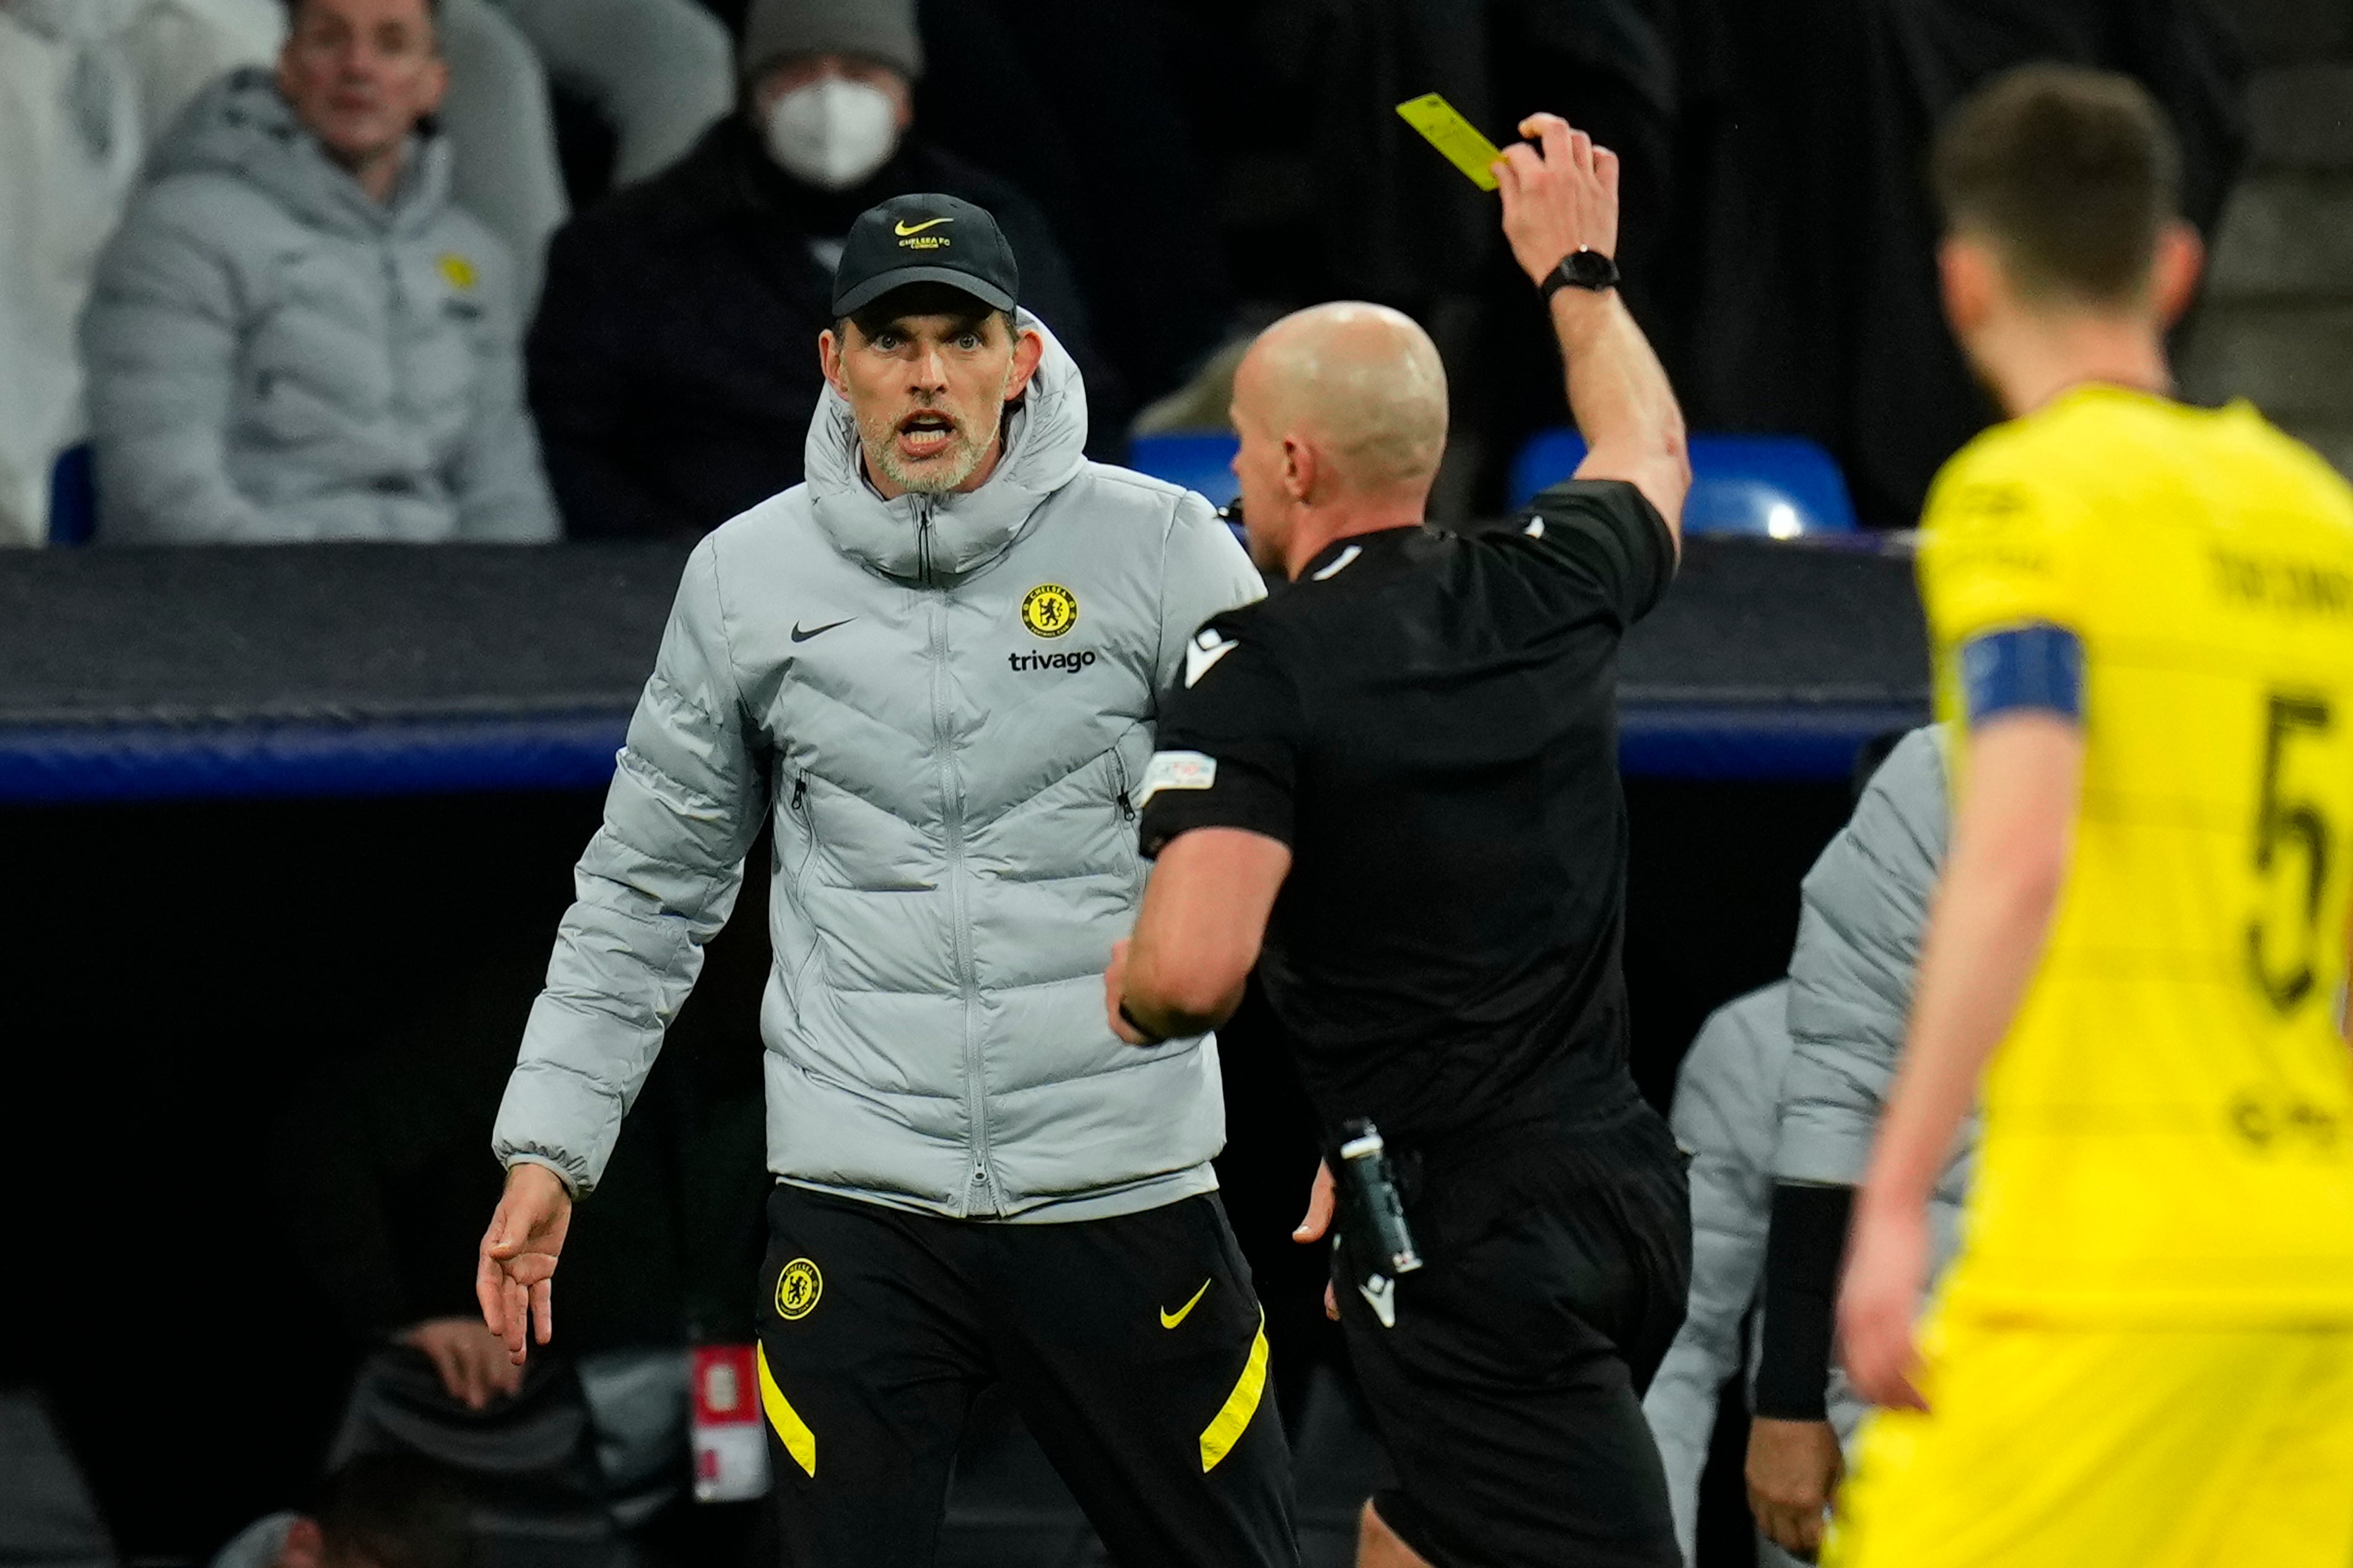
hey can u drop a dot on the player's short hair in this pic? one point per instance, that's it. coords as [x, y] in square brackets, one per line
[393, 1510]
[2073, 175]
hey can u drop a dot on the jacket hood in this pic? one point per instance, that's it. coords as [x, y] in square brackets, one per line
[946, 537]
[241, 127]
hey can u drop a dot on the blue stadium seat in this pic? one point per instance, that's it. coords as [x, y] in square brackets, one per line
[1781, 486]
[1199, 460]
[73, 497]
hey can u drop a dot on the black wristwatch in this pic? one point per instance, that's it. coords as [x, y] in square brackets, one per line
[1581, 268]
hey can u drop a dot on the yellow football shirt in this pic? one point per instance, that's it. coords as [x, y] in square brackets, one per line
[2169, 1124]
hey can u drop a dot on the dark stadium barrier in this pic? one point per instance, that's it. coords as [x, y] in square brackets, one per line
[371, 670]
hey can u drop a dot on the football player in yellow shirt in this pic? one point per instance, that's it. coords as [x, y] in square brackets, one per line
[2143, 620]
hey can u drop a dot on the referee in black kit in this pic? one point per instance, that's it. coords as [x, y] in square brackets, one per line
[1398, 777]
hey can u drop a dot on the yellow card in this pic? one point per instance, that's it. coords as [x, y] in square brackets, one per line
[1456, 137]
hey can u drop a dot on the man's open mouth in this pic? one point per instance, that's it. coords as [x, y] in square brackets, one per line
[926, 434]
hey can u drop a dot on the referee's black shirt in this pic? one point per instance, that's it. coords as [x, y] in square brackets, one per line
[1428, 720]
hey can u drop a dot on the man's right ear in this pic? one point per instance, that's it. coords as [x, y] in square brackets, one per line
[435, 87]
[829, 360]
[1967, 274]
[2181, 261]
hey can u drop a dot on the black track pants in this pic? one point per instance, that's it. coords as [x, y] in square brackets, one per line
[1133, 1346]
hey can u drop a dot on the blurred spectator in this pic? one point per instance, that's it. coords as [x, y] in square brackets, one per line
[85, 84]
[674, 365]
[296, 336]
[657, 71]
[654, 72]
[1725, 1100]
[500, 126]
[384, 1510]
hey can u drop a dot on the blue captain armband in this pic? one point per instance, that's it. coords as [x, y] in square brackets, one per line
[2037, 666]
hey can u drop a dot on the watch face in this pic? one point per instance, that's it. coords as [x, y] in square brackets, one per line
[1590, 270]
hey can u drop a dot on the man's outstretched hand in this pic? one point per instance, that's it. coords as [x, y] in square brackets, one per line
[1560, 201]
[514, 1279]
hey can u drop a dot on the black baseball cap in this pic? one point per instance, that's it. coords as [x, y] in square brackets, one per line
[925, 239]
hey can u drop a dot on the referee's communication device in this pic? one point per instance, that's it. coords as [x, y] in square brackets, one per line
[1374, 1209]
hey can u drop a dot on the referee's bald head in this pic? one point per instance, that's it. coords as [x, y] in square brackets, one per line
[1362, 382]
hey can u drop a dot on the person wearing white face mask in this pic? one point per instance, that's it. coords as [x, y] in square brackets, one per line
[834, 121]
[669, 367]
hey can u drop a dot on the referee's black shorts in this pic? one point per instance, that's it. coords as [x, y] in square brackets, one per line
[1508, 1394]
[1133, 1346]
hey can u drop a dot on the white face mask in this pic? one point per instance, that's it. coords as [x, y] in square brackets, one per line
[833, 133]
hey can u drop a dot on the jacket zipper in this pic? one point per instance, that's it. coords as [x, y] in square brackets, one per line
[799, 807]
[960, 921]
[1126, 803]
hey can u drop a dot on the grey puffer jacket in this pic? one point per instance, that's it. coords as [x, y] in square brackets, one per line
[944, 703]
[274, 356]
[1865, 909]
[1786, 1083]
[1726, 1093]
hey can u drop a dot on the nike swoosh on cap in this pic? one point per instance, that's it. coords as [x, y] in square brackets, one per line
[1169, 1320]
[800, 636]
[903, 229]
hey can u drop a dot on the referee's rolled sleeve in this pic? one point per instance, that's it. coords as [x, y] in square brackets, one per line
[1612, 530]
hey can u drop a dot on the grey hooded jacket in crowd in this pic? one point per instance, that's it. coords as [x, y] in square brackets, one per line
[1724, 1095]
[943, 705]
[1787, 1084]
[274, 356]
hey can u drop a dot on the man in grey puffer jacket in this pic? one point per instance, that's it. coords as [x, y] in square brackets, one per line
[935, 667]
[295, 335]
[1723, 1119]
[1865, 909]
[1778, 1101]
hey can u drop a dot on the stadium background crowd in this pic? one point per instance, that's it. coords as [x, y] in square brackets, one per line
[1778, 240]
[639, 277]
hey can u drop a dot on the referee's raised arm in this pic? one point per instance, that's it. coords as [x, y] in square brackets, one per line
[1560, 215]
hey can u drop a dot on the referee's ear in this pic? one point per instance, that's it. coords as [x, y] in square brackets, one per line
[1301, 464]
